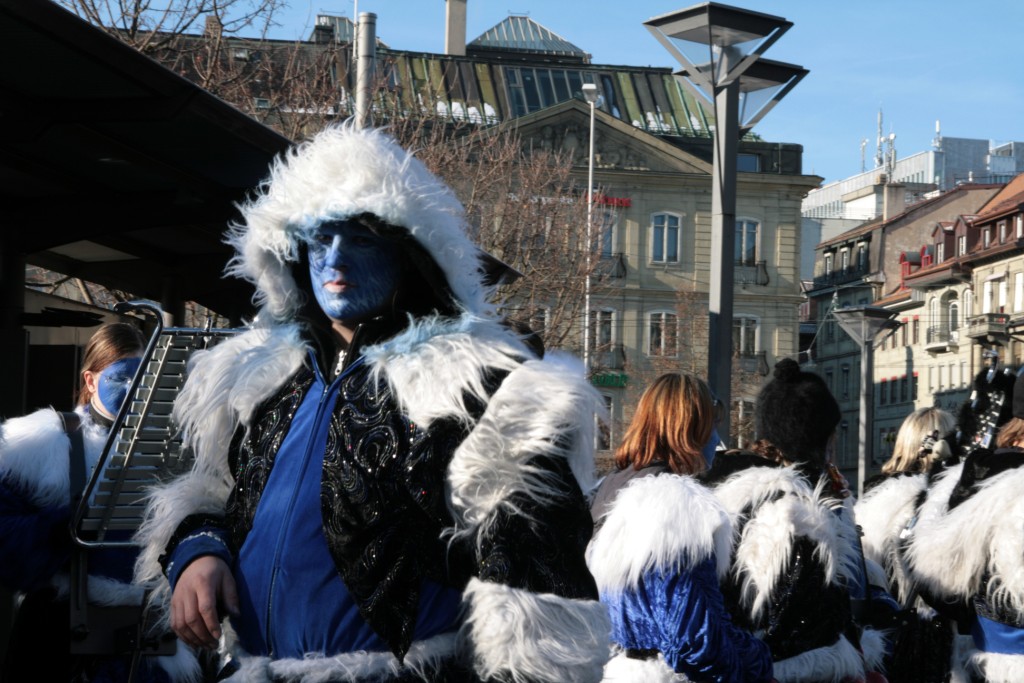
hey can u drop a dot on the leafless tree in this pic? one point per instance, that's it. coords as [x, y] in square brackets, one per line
[152, 25]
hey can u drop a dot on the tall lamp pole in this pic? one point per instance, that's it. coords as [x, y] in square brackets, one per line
[590, 94]
[863, 324]
[719, 48]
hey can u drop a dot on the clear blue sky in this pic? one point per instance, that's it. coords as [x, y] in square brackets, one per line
[918, 60]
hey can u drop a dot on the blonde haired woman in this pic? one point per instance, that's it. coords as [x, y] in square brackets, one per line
[662, 544]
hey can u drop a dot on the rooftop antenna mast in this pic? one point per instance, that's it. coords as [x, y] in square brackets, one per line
[863, 146]
[879, 154]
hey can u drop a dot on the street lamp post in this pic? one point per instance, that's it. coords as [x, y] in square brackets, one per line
[590, 94]
[863, 324]
[718, 45]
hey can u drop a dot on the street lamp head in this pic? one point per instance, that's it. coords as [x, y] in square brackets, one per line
[590, 93]
[716, 43]
[761, 87]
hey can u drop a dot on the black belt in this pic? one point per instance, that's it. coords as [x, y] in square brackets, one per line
[642, 653]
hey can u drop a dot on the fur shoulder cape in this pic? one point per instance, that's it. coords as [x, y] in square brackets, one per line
[659, 523]
[883, 515]
[34, 452]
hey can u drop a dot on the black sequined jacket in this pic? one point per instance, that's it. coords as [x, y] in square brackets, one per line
[791, 556]
[479, 489]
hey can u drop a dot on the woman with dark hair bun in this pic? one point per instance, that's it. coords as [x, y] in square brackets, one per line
[662, 543]
[795, 556]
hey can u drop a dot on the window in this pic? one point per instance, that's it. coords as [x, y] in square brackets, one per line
[1002, 232]
[883, 392]
[828, 264]
[968, 304]
[954, 316]
[829, 381]
[986, 300]
[844, 259]
[1002, 295]
[844, 386]
[663, 334]
[961, 245]
[913, 387]
[746, 243]
[862, 257]
[986, 237]
[1018, 292]
[601, 329]
[1020, 226]
[915, 330]
[608, 219]
[904, 389]
[603, 433]
[903, 332]
[744, 336]
[748, 163]
[940, 252]
[892, 391]
[665, 238]
[539, 320]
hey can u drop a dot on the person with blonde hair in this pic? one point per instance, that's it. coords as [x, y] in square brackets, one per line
[919, 441]
[662, 544]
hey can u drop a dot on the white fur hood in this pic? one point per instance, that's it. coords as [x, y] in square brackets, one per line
[341, 173]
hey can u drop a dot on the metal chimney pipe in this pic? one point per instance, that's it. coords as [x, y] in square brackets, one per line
[366, 66]
[455, 27]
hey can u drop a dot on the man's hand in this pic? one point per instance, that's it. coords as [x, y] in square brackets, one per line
[205, 584]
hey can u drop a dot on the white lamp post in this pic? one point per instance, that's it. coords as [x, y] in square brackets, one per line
[590, 94]
[718, 45]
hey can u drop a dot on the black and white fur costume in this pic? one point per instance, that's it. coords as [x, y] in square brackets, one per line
[973, 555]
[794, 553]
[434, 368]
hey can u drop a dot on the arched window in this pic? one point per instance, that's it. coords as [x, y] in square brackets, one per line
[954, 316]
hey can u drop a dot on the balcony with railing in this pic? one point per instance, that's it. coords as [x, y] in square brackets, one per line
[609, 357]
[753, 361]
[940, 338]
[610, 267]
[841, 276]
[989, 327]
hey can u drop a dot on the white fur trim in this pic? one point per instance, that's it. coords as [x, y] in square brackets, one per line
[459, 350]
[342, 172]
[102, 590]
[34, 453]
[763, 549]
[883, 514]
[662, 523]
[622, 669]
[422, 660]
[873, 644]
[997, 668]
[534, 637]
[953, 549]
[832, 663]
[543, 408]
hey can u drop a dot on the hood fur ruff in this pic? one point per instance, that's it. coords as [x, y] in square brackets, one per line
[883, 513]
[763, 547]
[951, 550]
[667, 522]
[341, 173]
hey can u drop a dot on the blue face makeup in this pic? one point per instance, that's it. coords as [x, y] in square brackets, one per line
[354, 272]
[114, 382]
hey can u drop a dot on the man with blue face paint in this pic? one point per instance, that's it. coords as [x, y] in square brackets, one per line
[384, 470]
[35, 516]
[354, 273]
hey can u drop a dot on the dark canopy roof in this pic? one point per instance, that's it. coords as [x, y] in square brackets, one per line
[113, 168]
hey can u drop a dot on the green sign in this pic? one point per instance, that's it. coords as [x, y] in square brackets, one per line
[609, 380]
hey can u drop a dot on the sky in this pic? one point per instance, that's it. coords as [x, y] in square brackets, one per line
[918, 61]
